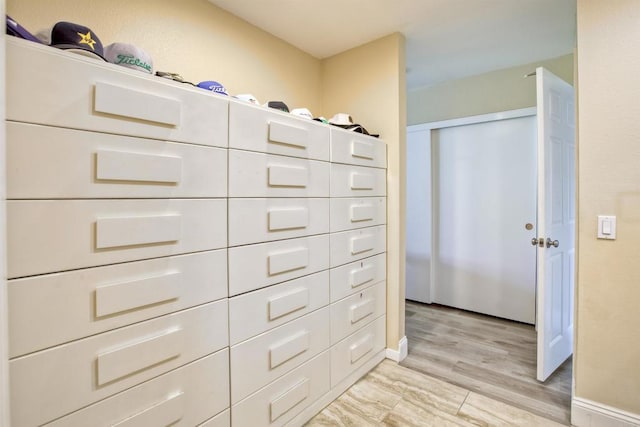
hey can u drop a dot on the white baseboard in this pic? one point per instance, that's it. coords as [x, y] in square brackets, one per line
[587, 413]
[399, 355]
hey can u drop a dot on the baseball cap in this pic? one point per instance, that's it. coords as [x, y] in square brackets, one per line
[77, 39]
[130, 56]
[302, 112]
[341, 119]
[248, 98]
[278, 105]
[213, 86]
[17, 30]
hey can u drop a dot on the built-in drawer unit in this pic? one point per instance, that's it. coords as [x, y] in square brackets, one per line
[280, 401]
[256, 266]
[349, 246]
[264, 220]
[267, 130]
[353, 277]
[357, 149]
[62, 379]
[46, 236]
[353, 312]
[357, 181]
[185, 397]
[107, 98]
[264, 175]
[262, 359]
[255, 312]
[353, 351]
[79, 303]
[51, 163]
[347, 214]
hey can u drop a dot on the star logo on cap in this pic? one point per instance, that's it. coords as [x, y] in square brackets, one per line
[86, 39]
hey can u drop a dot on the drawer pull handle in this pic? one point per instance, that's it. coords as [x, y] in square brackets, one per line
[289, 349]
[288, 176]
[361, 181]
[123, 166]
[362, 149]
[361, 244]
[115, 232]
[289, 399]
[288, 261]
[362, 347]
[362, 213]
[125, 102]
[361, 310]
[362, 275]
[135, 357]
[281, 305]
[287, 134]
[287, 219]
[163, 413]
[118, 297]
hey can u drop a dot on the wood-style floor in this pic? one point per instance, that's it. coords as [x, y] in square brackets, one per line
[392, 395]
[489, 356]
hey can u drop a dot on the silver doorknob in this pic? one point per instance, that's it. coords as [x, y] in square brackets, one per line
[553, 243]
[537, 241]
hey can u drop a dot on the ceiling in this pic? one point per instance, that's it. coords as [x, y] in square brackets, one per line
[445, 39]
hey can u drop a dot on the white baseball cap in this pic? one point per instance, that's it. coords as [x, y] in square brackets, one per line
[129, 56]
[342, 119]
[248, 98]
[302, 112]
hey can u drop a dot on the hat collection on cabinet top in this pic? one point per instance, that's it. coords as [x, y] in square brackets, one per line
[84, 41]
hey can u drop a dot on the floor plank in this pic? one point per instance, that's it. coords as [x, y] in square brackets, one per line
[489, 356]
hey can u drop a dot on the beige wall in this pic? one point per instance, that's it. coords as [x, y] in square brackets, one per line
[500, 90]
[369, 83]
[193, 38]
[608, 315]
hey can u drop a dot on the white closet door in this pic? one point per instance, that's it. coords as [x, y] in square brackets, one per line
[485, 185]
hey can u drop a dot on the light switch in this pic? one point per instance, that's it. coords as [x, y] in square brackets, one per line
[606, 227]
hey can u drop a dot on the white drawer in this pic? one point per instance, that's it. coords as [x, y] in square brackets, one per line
[267, 130]
[347, 214]
[349, 246]
[255, 312]
[256, 266]
[71, 376]
[357, 181]
[47, 162]
[352, 352]
[106, 98]
[264, 220]
[351, 278]
[283, 399]
[223, 419]
[354, 148]
[260, 360]
[48, 236]
[56, 308]
[263, 175]
[184, 397]
[352, 313]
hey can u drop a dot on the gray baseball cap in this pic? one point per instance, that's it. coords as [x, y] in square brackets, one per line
[129, 56]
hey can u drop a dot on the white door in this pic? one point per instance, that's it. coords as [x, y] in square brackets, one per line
[556, 221]
[484, 197]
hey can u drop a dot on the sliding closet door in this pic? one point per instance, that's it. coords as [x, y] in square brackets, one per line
[485, 195]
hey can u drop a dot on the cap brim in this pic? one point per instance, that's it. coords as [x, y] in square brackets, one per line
[80, 51]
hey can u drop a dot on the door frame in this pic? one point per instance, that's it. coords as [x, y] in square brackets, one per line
[428, 128]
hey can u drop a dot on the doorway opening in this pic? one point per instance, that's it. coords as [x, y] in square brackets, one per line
[469, 191]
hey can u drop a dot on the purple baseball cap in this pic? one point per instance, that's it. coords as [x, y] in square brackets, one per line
[17, 30]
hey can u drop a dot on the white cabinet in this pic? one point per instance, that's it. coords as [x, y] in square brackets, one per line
[176, 257]
[117, 244]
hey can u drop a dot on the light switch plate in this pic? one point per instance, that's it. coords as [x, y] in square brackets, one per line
[606, 227]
